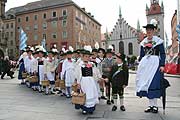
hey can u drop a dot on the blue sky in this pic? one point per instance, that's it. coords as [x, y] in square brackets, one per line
[107, 11]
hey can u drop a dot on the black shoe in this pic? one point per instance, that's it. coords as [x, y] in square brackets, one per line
[90, 113]
[68, 96]
[2, 78]
[59, 92]
[12, 77]
[114, 108]
[112, 101]
[103, 97]
[155, 109]
[84, 112]
[52, 93]
[149, 109]
[108, 102]
[122, 108]
[22, 83]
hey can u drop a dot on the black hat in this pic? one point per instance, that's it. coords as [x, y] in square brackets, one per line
[69, 52]
[151, 26]
[76, 51]
[121, 56]
[95, 50]
[109, 51]
[101, 49]
[50, 52]
[86, 52]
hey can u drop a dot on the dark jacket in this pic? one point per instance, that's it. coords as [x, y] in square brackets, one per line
[119, 75]
[6, 65]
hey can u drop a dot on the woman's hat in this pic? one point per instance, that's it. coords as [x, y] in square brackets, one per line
[86, 52]
[101, 49]
[121, 56]
[150, 26]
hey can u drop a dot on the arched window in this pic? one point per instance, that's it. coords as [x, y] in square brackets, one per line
[113, 47]
[130, 47]
[121, 47]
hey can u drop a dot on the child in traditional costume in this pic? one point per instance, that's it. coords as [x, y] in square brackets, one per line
[119, 81]
[86, 72]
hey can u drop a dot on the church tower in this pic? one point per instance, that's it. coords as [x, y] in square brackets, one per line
[2, 8]
[156, 11]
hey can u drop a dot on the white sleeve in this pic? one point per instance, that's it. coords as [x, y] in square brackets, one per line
[78, 73]
[63, 69]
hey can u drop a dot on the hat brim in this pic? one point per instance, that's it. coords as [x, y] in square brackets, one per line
[150, 26]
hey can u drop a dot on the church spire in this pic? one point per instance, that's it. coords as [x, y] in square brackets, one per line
[120, 14]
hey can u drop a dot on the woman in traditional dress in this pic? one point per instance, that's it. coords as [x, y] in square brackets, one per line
[21, 66]
[41, 54]
[151, 68]
[86, 73]
[49, 72]
[68, 73]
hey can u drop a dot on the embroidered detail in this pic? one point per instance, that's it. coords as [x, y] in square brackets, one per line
[150, 44]
[88, 65]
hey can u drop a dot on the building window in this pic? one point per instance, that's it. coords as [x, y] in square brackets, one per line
[54, 24]
[44, 16]
[121, 47]
[27, 19]
[7, 26]
[7, 34]
[35, 27]
[64, 12]
[11, 34]
[76, 13]
[64, 34]
[27, 28]
[113, 47]
[120, 36]
[11, 52]
[54, 14]
[12, 25]
[64, 23]
[54, 35]
[130, 47]
[35, 17]
[44, 25]
[35, 37]
[11, 42]
[44, 36]
[19, 20]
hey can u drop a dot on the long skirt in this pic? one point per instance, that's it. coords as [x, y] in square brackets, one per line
[21, 70]
[148, 78]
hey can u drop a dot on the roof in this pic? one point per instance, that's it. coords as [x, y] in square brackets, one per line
[38, 5]
[44, 4]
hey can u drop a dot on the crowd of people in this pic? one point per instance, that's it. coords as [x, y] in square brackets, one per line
[98, 73]
[95, 71]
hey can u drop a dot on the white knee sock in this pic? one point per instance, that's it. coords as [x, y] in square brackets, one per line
[121, 101]
[155, 102]
[115, 102]
[151, 102]
[47, 89]
[52, 87]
